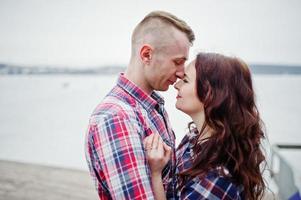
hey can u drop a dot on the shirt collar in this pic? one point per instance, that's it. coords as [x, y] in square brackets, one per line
[147, 101]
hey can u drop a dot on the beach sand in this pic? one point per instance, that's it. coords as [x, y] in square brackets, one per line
[30, 181]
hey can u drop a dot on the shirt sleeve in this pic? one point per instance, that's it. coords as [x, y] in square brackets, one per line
[209, 188]
[117, 156]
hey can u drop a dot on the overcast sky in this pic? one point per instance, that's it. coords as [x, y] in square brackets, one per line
[93, 33]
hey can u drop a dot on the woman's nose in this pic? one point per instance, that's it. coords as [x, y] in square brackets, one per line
[176, 85]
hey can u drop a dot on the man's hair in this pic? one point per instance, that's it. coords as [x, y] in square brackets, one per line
[172, 20]
[156, 22]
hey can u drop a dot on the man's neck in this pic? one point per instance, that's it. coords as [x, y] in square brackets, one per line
[136, 76]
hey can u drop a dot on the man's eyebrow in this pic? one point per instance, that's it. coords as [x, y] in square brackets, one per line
[180, 59]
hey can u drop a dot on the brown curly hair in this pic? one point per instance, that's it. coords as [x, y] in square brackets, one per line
[224, 86]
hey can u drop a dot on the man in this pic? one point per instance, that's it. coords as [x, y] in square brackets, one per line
[132, 111]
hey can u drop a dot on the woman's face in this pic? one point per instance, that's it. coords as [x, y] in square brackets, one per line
[187, 99]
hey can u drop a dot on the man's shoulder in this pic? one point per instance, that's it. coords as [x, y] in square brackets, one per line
[115, 104]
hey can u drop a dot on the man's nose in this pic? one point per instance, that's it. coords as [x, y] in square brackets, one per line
[180, 73]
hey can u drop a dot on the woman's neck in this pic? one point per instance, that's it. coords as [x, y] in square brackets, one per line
[199, 120]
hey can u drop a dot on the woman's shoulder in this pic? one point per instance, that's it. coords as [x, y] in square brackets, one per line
[212, 186]
[189, 136]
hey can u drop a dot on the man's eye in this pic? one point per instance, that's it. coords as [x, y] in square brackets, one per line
[185, 81]
[179, 62]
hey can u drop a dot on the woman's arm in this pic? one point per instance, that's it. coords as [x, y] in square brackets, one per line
[158, 154]
[157, 185]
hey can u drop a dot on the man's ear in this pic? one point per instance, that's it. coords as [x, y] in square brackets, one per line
[146, 52]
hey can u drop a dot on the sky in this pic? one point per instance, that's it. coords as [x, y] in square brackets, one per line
[81, 33]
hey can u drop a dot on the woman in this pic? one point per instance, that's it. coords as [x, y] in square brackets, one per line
[220, 157]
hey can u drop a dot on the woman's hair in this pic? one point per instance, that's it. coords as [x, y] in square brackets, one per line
[224, 86]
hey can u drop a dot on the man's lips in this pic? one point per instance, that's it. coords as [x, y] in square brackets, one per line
[178, 97]
[171, 82]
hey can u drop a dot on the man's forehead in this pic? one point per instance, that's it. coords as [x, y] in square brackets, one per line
[178, 52]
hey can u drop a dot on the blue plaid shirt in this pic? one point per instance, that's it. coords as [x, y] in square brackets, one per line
[213, 186]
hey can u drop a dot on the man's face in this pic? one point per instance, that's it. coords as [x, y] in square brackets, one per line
[167, 64]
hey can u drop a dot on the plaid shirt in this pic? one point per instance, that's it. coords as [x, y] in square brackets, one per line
[213, 187]
[114, 148]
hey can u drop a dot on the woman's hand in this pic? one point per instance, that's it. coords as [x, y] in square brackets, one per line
[157, 153]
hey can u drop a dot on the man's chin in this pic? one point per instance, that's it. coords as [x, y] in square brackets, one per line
[162, 89]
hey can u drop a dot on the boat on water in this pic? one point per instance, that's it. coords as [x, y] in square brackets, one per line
[285, 171]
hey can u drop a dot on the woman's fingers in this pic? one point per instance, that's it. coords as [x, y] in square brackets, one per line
[166, 147]
[157, 152]
[156, 141]
[151, 141]
[160, 144]
[157, 149]
[167, 150]
[148, 142]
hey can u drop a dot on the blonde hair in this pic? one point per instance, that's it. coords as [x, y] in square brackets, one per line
[158, 23]
[172, 20]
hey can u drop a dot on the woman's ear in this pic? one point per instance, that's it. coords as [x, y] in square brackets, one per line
[146, 52]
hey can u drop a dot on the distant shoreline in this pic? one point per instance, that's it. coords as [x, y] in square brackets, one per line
[7, 69]
[275, 69]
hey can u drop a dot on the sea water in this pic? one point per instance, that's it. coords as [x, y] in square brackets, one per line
[43, 118]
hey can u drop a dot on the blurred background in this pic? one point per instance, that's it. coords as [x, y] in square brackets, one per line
[59, 58]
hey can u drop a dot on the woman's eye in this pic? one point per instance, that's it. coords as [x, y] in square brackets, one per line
[185, 81]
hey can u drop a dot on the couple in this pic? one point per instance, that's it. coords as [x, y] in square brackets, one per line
[130, 145]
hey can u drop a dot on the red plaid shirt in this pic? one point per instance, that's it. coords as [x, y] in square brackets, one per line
[114, 148]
